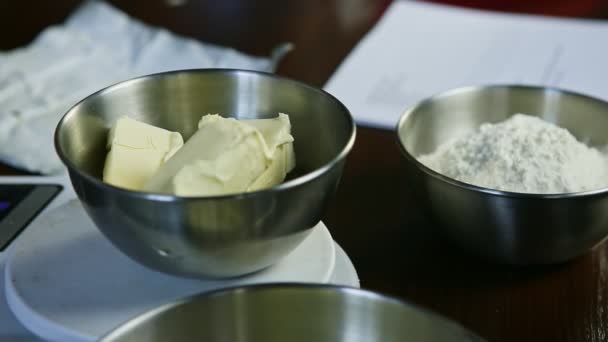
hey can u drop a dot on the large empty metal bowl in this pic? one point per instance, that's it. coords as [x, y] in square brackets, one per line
[507, 227]
[294, 313]
[220, 236]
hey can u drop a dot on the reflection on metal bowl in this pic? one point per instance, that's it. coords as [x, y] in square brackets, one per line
[220, 236]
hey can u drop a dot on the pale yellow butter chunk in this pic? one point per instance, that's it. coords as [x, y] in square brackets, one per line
[227, 156]
[277, 134]
[137, 151]
[282, 162]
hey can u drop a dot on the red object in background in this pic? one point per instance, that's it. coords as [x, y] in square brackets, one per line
[565, 8]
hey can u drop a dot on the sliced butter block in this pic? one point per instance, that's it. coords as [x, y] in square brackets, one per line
[227, 156]
[279, 142]
[283, 161]
[137, 151]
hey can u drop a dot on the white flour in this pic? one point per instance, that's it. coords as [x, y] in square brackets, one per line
[522, 154]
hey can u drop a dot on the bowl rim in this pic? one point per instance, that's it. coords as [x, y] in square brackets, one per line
[345, 289]
[292, 183]
[467, 186]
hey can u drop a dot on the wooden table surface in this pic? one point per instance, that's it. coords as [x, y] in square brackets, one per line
[373, 218]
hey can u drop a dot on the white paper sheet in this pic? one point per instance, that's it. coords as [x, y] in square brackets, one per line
[420, 49]
[97, 46]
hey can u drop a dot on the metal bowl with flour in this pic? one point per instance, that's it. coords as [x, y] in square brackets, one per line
[290, 312]
[503, 226]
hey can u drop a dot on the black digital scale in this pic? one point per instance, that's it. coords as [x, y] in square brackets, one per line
[19, 204]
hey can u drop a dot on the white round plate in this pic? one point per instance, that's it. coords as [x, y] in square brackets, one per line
[66, 282]
[344, 271]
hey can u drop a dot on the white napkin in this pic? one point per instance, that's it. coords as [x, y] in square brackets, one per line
[97, 46]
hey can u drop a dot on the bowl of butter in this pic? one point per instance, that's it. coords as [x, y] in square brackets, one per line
[206, 173]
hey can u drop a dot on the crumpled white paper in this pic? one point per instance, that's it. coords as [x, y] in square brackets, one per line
[97, 46]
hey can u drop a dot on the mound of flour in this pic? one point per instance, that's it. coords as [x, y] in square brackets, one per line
[522, 154]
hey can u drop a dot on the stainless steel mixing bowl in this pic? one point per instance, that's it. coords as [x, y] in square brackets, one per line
[289, 312]
[507, 227]
[220, 236]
